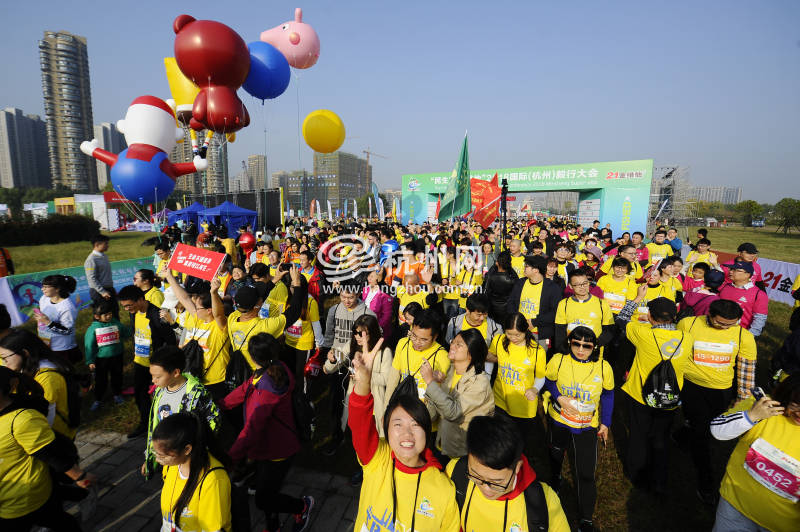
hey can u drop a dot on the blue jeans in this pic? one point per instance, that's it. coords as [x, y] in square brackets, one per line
[729, 519]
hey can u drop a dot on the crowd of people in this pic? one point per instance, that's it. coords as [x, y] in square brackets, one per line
[462, 363]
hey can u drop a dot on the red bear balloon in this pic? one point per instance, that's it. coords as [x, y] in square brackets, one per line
[217, 60]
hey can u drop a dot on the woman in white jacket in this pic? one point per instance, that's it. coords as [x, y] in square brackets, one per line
[366, 333]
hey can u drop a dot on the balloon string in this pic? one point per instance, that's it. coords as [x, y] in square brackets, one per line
[299, 146]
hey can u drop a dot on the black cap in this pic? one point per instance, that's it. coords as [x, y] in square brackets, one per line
[714, 278]
[742, 265]
[747, 247]
[246, 298]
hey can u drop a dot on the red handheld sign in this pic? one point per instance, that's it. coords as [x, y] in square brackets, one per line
[197, 262]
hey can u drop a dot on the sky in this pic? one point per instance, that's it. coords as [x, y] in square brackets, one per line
[713, 86]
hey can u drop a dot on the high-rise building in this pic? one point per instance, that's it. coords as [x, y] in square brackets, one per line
[297, 189]
[23, 150]
[257, 171]
[340, 176]
[182, 153]
[68, 109]
[110, 139]
[216, 177]
[391, 195]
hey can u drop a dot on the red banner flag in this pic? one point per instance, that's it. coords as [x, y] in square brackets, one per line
[487, 206]
[197, 262]
[438, 206]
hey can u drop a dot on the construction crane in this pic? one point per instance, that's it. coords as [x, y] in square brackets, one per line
[368, 153]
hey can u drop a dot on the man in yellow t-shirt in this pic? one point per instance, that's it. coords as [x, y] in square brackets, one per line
[720, 345]
[517, 258]
[627, 252]
[149, 334]
[618, 287]
[583, 308]
[658, 249]
[651, 416]
[411, 291]
[491, 493]
[536, 298]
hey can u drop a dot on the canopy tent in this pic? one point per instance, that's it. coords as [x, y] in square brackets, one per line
[229, 215]
[187, 214]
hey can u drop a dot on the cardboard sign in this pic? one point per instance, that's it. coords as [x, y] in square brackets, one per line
[197, 262]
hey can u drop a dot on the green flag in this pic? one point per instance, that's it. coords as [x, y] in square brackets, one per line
[458, 199]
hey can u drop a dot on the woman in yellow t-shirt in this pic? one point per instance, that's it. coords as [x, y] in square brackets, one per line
[761, 486]
[618, 287]
[149, 284]
[580, 386]
[196, 495]
[25, 352]
[520, 376]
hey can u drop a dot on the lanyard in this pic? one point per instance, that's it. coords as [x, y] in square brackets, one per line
[469, 502]
[394, 500]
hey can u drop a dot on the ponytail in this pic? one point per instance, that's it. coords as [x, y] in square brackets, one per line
[264, 349]
[150, 277]
[65, 284]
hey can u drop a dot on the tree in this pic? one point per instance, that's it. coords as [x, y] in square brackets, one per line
[787, 214]
[748, 210]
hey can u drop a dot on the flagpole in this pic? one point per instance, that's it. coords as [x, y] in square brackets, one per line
[504, 207]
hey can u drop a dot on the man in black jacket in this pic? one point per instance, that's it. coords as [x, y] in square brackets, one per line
[149, 334]
[537, 299]
[498, 285]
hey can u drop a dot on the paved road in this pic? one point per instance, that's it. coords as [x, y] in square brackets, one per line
[126, 503]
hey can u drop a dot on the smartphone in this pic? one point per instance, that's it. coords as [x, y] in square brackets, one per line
[758, 393]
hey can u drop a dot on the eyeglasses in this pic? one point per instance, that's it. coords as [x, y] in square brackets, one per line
[581, 345]
[4, 358]
[581, 285]
[418, 338]
[491, 485]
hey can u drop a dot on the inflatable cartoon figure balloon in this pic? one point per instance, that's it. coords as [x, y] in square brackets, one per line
[269, 71]
[296, 40]
[216, 59]
[323, 131]
[143, 171]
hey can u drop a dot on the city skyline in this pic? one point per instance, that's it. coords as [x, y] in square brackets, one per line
[548, 88]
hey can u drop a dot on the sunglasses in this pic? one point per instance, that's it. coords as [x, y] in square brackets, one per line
[581, 345]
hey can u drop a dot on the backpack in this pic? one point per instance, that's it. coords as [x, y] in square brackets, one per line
[238, 370]
[660, 389]
[303, 411]
[196, 358]
[75, 382]
[535, 502]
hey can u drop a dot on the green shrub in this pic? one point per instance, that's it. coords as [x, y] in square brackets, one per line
[52, 230]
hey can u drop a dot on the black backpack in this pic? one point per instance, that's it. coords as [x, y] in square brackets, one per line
[304, 414]
[535, 502]
[238, 370]
[196, 358]
[75, 382]
[660, 389]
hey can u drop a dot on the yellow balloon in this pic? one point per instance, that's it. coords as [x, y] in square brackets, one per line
[323, 131]
[183, 90]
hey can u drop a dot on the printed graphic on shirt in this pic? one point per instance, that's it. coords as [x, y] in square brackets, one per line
[773, 469]
[713, 354]
[164, 411]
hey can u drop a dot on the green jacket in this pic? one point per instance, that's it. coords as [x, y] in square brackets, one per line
[110, 338]
[196, 399]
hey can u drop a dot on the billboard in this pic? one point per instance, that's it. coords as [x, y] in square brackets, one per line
[618, 192]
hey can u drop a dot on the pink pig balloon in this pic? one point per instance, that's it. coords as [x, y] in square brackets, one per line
[296, 40]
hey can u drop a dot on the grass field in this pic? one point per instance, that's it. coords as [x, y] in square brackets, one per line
[123, 245]
[771, 245]
[619, 506]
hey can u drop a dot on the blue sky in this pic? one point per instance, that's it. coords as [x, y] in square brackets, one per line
[712, 85]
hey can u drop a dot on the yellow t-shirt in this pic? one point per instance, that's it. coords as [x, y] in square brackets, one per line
[658, 251]
[208, 510]
[653, 346]
[277, 299]
[695, 256]
[763, 473]
[406, 298]
[636, 269]
[518, 367]
[486, 514]
[518, 264]
[300, 335]
[454, 381]
[407, 361]
[25, 480]
[470, 282]
[592, 313]
[583, 381]
[483, 328]
[55, 392]
[240, 332]
[617, 293]
[451, 291]
[673, 284]
[142, 339]
[155, 296]
[642, 312]
[530, 299]
[215, 344]
[795, 286]
[436, 507]
[714, 352]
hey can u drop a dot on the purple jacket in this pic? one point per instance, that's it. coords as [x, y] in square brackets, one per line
[381, 305]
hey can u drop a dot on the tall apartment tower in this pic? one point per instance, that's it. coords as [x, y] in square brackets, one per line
[182, 153]
[257, 171]
[23, 150]
[216, 177]
[110, 139]
[340, 176]
[68, 109]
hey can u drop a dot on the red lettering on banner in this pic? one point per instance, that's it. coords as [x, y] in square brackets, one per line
[197, 262]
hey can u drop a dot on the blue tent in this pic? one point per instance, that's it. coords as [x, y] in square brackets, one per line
[187, 214]
[229, 215]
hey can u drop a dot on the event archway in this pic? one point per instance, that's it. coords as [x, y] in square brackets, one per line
[612, 192]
